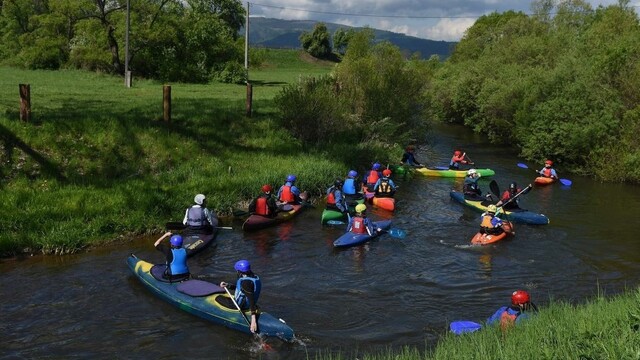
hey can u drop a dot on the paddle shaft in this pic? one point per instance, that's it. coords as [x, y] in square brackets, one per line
[174, 225]
[514, 197]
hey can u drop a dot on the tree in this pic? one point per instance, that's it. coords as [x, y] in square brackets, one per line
[317, 42]
[341, 39]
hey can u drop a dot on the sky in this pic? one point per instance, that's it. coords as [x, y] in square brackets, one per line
[429, 19]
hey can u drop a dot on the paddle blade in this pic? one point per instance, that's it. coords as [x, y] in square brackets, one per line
[461, 327]
[524, 166]
[336, 222]
[566, 182]
[397, 233]
[495, 189]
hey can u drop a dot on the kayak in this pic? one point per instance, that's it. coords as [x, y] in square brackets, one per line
[385, 203]
[199, 298]
[257, 222]
[328, 214]
[194, 243]
[520, 216]
[541, 180]
[351, 239]
[445, 172]
[485, 239]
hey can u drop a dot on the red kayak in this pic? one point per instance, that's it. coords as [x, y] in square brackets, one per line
[385, 203]
[541, 180]
[257, 222]
[485, 239]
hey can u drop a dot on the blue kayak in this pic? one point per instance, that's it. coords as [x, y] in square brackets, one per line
[520, 216]
[200, 298]
[351, 239]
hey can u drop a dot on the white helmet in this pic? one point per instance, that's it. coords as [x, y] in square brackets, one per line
[471, 172]
[199, 199]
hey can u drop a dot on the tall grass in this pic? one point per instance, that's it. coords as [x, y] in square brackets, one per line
[97, 162]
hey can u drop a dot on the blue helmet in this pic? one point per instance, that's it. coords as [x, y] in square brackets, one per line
[352, 173]
[376, 166]
[291, 178]
[242, 266]
[176, 240]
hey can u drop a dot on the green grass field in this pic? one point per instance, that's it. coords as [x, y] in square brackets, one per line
[98, 162]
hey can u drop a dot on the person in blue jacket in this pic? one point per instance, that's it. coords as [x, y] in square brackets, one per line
[385, 187]
[289, 192]
[350, 188]
[409, 157]
[247, 291]
[175, 255]
[509, 316]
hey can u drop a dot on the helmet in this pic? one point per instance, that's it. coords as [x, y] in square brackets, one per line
[457, 153]
[492, 208]
[266, 188]
[386, 172]
[360, 208]
[176, 240]
[513, 186]
[338, 183]
[352, 173]
[242, 266]
[471, 172]
[520, 297]
[376, 166]
[548, 163]
[199, 199]
[291, 178]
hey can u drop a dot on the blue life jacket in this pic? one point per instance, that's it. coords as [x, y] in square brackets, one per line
[179, 264]
[241, 297]
[196, 218]
[349, 187]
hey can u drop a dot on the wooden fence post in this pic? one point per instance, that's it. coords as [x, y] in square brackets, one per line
[25, 101]
[166, 103]
[249, 98]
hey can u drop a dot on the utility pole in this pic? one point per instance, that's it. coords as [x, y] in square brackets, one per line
[127, 73]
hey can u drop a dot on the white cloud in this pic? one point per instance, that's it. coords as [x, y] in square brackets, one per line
[447, 29]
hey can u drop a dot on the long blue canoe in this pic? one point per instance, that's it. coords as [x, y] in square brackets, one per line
[200, 298]
[519, 216]
[351, 239]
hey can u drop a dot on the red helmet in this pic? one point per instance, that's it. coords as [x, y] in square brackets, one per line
[386, 172]
[266, 188]
[520, 297]
[548, 162]
[457, 153]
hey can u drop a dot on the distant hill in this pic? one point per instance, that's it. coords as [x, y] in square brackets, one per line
[277, 33]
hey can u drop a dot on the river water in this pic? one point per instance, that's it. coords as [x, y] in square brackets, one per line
[388, 293]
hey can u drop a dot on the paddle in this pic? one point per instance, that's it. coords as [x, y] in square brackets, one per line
[263, 344]
[524, 191]
[175, 225]
[395, 232]
[462, 327]
[565, 182]
[495, 189]
[468, 159]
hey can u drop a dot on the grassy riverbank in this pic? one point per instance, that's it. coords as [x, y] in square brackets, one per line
[97, 162]
[603, 328]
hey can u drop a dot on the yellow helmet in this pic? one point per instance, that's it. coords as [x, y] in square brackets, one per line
[361, 208]
[492, 208]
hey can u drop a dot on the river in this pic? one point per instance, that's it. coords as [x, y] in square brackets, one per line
[388, 293]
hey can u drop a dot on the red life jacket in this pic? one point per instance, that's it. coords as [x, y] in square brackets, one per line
[286, 194]
[262, 208]
[373, 177]
[507, 320]
[331, 198]
[546, 172]
[358, 226]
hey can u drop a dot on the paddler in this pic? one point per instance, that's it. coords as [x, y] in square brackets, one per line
[491, 224]
[247, 291]
[509, 316]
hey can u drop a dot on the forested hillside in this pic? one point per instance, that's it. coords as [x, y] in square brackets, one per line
[560, 84]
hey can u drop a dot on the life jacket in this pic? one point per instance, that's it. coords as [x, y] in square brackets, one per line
[384, 187]
[349, 187]
[196, 218]
[262, 208]
[373, 177]
[286, 194]
[470, 187]
[486, 222]
[241, 297]
[179, 264]
[546, 172]
[358, 226]
[508, 319]
[331, 197]
[455, 161]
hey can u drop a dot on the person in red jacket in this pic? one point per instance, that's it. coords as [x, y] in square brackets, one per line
[458, 158]
[265, 203]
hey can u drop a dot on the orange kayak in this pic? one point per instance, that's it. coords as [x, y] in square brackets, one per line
[485, 239]
[385, 203]
[541, 180]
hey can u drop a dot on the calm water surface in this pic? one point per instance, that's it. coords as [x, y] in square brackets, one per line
[387, 293]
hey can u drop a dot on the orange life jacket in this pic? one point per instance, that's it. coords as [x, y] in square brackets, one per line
[507, 320]
[286, 194]
[262, 208]
[486, 222]
[373, 177]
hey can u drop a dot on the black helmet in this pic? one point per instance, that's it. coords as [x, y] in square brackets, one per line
[338, 183]
[513, 186]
